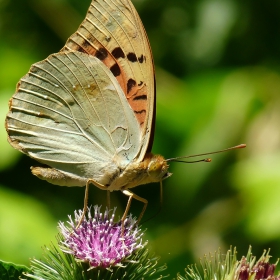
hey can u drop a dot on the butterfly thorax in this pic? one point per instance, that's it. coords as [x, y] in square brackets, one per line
[153, 168]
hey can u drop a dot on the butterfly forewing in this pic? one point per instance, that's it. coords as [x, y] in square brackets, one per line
[70, 113]
[113, 32]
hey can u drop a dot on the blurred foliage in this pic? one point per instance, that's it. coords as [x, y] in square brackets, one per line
[218, 80]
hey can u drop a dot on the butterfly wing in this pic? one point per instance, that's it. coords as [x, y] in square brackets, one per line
[113, 32]
[70, 113]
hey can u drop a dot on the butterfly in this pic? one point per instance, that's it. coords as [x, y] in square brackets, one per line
[88, 112]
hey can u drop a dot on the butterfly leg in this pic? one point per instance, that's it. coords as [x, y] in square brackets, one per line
[132, 195]
[100, 186]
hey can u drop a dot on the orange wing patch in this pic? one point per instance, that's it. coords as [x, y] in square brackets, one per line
[120, 42]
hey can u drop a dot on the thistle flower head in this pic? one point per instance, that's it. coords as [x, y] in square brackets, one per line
[249, 269]
[227, 267]
[98, 249]
[99, 240]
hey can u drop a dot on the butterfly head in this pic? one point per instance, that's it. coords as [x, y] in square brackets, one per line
[157, 167]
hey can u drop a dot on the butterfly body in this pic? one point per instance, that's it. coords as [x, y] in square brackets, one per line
[151, 170]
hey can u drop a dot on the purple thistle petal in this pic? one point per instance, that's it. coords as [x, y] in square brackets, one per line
[260, 270]
[99, 240]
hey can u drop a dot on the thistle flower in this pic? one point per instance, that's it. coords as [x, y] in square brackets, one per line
[262, 269]
[220, 267]
[99, 240]
[98, 249]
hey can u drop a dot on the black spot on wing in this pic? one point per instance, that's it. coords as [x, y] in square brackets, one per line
[141, 58]
[80, 49]
[118, 53]
[130, 84]
[85, 44]
[132, 57]
[140, 97]
[115, 69]
[140, 112]
[101, 54]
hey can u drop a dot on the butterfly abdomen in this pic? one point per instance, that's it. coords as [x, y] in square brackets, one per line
[57, 177]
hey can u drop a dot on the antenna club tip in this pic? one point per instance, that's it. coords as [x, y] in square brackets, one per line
[241, 146]
[208, 160]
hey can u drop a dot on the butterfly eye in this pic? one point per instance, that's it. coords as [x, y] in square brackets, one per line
[157, 168]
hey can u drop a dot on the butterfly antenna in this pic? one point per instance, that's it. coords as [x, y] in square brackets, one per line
[178, 159]
[195, 161]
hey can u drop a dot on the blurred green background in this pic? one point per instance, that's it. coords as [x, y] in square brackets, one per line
[218, 85]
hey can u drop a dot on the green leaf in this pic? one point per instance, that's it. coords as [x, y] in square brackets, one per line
[11, 271]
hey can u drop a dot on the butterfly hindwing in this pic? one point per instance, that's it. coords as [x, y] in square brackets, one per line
[69, 112]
